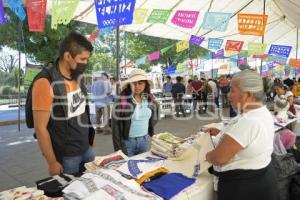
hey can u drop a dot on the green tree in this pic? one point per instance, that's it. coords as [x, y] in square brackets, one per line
[102, 62]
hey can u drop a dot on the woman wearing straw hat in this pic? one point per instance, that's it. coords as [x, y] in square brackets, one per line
[134, 115]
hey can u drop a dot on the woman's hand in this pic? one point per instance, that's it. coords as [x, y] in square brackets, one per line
[213, 131]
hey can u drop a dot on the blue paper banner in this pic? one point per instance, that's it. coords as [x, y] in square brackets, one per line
[280, 50]
[17, 8]
[214, 43]
[217, 21]
[114, 13]
[195, 40]
[170, 70]
[277, 59]
[218, 54]
[141, 61]
[2, 13]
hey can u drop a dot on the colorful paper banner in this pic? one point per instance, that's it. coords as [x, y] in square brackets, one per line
[277, 59]
[214, 43]
[164, 50]
[30, 73]
[280, 50]
[293, 62]
[2, 13]
[17, 8]
[217, 21]
[265, 74]
[185, 19]
[181, 67]
[242, 61]
[182, 45]
[263, 56]
[153, 56]
[170, 70]
[297, 70]
[62, 12]
[252, 24]
[141, 61]
[218, 54]
[114, 13]
[256, 48]
[159, 16]
[195, 40]
[139, 15]
[36, 11]
[293, 70]
[233, 45]
[93, 36]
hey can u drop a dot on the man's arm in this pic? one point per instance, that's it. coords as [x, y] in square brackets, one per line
[41, 119]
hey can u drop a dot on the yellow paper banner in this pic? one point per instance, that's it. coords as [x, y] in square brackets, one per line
[182, 45]
[139, 15]
[256, 48]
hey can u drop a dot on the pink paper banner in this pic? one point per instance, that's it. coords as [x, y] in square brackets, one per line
[185, 19]
[297, 70]
[263, 56]
[153, 56]
[265, 74]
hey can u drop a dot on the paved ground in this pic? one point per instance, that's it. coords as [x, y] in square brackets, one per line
[21, 162]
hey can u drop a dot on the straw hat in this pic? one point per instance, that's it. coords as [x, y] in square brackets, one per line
[134, 76]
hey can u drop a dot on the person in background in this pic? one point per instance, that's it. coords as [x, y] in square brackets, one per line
[296, 88]
[167, 87]
[214, 91]
[101, 90]
[280, 89]
[224, 87]
[189, 87]
[61, 121]
[113, 84]
[134, 115]
[242, 157]
[196, 85]
[178, 90]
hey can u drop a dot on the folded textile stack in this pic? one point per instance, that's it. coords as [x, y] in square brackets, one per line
[24, 193]
[172, 147]
[111, 161]
[106, 184]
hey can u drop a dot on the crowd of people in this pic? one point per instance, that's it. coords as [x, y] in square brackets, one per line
[241, 159]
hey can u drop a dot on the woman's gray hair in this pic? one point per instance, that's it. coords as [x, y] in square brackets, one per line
[251, 81]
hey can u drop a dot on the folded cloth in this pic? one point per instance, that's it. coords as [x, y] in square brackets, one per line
[167, 186]
[141, 165]
[111, 161]
[169, 137]
[150, 175]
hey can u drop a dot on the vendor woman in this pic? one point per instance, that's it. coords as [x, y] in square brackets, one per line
[242, 158]
[134, 115]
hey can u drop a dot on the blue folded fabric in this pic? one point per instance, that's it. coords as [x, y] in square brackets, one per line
[168, 185]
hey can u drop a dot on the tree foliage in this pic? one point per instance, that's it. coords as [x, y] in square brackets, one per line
[39, 47]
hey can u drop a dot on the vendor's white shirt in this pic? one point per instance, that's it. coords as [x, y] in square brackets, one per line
[254, 131]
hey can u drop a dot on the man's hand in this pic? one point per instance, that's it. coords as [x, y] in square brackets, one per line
[213, 131]
[55, 168]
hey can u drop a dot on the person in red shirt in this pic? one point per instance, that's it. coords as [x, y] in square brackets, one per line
[196, 91]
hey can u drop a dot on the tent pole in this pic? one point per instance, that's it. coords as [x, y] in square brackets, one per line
[212, 65]
[262, 37]
[117, 57]
[19, 74]
[125, 50]
[297, 41]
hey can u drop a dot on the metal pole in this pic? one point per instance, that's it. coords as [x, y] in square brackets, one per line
[297, 41]
[125, 52]
[19, 75]
[212, 66]
[262, 37]
[117, 57]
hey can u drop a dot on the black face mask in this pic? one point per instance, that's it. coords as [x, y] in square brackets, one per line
[80, 68]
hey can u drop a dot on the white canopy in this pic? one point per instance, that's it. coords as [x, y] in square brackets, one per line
[283, 19]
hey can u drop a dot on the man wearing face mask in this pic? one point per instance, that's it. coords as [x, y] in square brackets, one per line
[60, 111]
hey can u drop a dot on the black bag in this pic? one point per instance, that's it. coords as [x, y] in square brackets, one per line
[28, 106]
[295, 187]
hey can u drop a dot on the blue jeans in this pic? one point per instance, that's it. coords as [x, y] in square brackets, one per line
[137, 145]
[75, 164]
